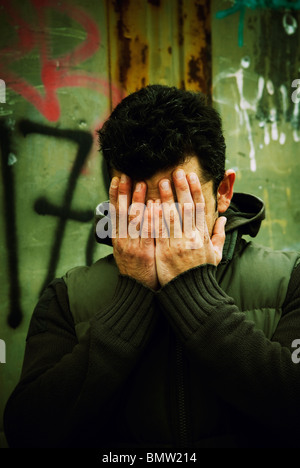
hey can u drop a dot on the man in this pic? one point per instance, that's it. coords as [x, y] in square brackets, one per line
[183, 337]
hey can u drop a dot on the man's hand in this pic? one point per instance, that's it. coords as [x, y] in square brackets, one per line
[182, 237]
[134, 251]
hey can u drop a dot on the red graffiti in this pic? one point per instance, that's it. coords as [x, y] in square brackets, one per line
[58, 72]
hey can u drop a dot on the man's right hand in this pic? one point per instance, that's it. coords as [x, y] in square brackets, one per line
[134, 253]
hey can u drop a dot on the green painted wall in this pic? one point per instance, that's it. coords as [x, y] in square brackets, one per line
[66, 64]
[252, 88]
[51, 169]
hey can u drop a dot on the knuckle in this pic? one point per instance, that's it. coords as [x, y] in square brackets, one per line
[165, 254]
[206, 238]
[183, 186]
[122, 190]
[147, 241]
[197, 190]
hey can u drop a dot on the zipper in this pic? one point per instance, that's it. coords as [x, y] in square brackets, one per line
[181, 397]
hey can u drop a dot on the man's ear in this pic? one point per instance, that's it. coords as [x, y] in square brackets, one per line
[225, 191]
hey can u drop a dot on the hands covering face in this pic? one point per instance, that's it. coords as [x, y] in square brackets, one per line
[154, 243]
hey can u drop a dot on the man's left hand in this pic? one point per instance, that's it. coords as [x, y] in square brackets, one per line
[182, 238]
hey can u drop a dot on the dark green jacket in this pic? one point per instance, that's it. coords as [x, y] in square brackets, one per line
[258, 292]
[204, 362]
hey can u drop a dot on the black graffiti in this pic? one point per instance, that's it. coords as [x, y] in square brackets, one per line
[42, 206]
[64, 212]
[9, 207]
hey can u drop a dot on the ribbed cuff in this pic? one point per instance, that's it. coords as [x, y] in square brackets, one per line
[190, 298]
[131, 314]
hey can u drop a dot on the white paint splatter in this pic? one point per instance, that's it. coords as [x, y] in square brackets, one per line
[261, 85]
[296, 136]
[274, 129]
[283, 92]
[245, 62]
[266, 136]
[282, 138]
[289, 23]
[12, 159]
[245, 108]
[270, 87]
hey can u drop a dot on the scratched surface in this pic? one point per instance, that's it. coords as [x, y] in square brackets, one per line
[65, 66]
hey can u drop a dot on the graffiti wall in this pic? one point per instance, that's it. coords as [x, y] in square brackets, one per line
[256, 60]
[57, 93]
[64, 65]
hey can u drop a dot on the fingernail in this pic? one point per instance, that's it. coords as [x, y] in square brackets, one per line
[114, 182]
[179, 174]
[193, 177]
[138, 187]
[165, 185]
[123, 179]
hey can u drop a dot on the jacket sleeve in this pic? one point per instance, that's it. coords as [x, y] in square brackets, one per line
[255, 375]
[65, 383]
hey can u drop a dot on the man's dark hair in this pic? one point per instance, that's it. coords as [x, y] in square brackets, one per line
[157, 128]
